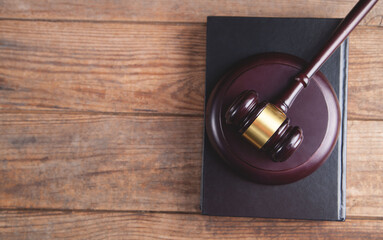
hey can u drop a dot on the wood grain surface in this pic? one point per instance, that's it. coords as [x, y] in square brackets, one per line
[101, 121]
[180, 10]
[135, 68]
[140, 163]
[115, 162]
[138, 225]
[365, 85]
[107, 67]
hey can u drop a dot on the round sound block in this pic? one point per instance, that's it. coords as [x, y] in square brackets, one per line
[315, 110]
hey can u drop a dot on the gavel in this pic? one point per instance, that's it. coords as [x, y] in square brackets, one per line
[265, 125]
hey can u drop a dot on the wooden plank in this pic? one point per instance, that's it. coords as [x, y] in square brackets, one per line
[159, 68]
[365, 168]
[100, 162]
[92, 225]
[123, 162]
[107, 67]
[179, 10]
[365, 74]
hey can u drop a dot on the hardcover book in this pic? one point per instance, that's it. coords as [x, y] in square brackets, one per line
[321, 195]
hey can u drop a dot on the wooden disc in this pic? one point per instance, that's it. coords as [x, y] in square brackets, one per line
[315, 110]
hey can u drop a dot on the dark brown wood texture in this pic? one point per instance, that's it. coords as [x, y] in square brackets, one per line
[101, 110]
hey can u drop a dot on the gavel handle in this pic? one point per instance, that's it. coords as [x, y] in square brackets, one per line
[352, 19]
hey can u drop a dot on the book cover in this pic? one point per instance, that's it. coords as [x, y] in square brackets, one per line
[320, 196]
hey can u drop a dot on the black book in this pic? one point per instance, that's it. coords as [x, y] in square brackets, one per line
[320, 196]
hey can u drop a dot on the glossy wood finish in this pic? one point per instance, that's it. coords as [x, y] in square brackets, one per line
[353, 18]
[46, 62]
[286, 139]
[348, 24]
[321, 128]
[245, 109]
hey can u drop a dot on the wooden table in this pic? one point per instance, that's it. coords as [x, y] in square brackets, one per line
[101, 120]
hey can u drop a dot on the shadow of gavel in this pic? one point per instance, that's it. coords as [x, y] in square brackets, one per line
[266, 125]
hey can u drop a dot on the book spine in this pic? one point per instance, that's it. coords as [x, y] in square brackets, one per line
[343, 80]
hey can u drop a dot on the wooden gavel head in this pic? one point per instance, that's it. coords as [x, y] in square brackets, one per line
[264, 125]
